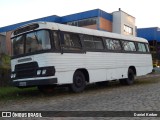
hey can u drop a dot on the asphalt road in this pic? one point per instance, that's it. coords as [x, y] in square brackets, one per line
[144, 95]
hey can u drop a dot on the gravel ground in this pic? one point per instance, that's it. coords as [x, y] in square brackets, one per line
[144, 95]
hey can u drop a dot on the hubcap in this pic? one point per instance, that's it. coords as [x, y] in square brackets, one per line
[78, 81]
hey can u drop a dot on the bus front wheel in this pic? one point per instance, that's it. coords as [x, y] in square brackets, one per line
[79, 82]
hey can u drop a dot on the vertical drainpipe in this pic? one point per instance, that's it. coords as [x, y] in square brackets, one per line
[98, 23]
[98, 20]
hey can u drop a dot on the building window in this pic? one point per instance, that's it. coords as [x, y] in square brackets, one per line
[128, 30]
[84, 22]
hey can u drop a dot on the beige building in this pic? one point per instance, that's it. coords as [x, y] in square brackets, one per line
[123, 23]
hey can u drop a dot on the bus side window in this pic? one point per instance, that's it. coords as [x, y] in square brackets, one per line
[141, 47]
[56, 40]
[98, 43]
[72, 41]
[128, 46]
[93, 42]
[113, 44]
[88, 42]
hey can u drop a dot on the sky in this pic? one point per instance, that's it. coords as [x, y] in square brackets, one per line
[146, 12]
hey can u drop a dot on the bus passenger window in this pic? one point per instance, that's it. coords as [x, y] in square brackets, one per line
[72, 41]
[98, 43]
[128, 46]
[93, 42]
[88, 42]
[113, 44]
[141, 47]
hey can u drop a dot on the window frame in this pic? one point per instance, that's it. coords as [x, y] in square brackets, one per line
[94, 49]
[148, 49]
[145, 48]
[127, 30]
[53, 46]
[129, 50]
[63, 46]
[35, 52]
[83, 49]
[112, 49]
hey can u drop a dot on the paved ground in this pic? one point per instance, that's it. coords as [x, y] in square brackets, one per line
[144, 95]
[157, 69]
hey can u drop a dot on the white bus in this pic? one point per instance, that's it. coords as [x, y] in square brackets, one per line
[46, 54]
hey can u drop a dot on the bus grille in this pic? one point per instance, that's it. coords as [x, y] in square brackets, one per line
[26, 70]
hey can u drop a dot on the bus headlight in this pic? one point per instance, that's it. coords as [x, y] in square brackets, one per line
[38, 72]
[44, 72]
[13, 75]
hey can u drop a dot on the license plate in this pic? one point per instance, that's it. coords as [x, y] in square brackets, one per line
[22, 84]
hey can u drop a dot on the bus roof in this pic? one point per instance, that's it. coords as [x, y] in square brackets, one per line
[81, 30]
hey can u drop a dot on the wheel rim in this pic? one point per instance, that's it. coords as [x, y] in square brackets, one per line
[78, 81]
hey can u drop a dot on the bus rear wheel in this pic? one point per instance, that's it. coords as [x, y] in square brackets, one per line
[130, 79]
[79, 82]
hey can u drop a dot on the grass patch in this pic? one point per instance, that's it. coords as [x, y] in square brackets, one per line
[13, 93]
[10, 93]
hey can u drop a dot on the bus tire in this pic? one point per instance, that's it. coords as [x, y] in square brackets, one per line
[79, 82]
[130, 79]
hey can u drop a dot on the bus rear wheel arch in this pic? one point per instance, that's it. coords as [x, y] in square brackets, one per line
[131, 77]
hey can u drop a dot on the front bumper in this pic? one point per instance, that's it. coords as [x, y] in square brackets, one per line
[34, 82]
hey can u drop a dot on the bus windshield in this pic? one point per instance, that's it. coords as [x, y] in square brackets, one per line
[31, 42]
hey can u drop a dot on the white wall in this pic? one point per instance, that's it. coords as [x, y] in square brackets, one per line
[120, 19]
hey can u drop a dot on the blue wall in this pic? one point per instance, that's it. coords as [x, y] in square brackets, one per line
[79, 16]
[64, 19]
[152, 33]
[85, 15]
[53, 18]
[105, 15]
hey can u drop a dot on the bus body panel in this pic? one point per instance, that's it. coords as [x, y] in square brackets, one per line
[101, 66]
